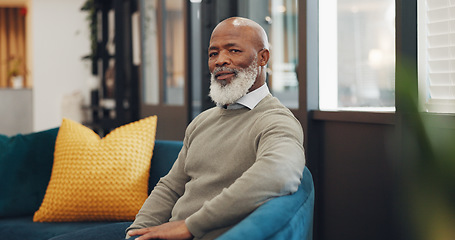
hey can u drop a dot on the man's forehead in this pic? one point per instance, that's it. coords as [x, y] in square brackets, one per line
[229, 32]
[214, 46]
[229, 37]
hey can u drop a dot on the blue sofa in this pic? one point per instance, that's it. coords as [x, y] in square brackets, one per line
[25, 170]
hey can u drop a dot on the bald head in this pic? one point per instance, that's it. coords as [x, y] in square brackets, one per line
[249, 28]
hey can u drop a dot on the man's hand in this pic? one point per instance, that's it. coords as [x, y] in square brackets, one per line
[172, 230]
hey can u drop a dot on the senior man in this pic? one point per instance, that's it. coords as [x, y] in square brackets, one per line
[235, 156]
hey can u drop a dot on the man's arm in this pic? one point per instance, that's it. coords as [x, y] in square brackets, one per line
[157, 208]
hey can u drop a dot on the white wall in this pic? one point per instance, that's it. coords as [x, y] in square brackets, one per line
[60, 37]
[16, 111]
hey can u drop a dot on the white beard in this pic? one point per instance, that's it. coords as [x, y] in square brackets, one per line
[223, 93]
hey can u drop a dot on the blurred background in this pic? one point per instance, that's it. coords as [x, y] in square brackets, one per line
[371, 81]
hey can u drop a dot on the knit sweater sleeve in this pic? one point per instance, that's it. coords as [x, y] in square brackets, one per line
[158, 207]
[277, 171]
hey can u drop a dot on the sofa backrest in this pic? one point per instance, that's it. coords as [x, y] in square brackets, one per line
[25, 170]
[26, 165]
[164, 155]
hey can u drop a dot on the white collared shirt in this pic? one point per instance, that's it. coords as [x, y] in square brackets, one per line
[251, 99]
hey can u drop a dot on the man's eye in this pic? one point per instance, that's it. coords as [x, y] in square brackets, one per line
[235, 50]
[213, 54]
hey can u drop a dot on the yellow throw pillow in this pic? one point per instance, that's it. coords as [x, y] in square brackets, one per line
[97, 179]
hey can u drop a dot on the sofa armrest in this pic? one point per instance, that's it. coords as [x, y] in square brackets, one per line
[286, 217]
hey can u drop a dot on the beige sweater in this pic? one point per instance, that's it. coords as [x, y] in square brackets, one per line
[232, 161]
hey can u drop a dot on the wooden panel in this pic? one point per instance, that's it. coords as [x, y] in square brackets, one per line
[172, 121]
[356, 190]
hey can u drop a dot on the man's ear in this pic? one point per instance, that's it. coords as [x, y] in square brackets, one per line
[263, 57]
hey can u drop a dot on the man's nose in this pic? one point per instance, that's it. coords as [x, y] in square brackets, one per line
[222, 59]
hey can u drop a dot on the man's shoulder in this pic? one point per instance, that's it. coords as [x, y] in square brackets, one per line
[272, 112]
[271, 104]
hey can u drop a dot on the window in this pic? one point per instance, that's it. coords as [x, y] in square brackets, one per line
[357, 55]
[436, 55]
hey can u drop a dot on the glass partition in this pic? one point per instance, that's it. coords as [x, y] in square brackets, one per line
[283, 36]
[150, 57]
[174, 44]
[163, 51]
[279, 18]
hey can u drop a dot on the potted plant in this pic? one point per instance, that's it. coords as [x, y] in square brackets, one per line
[15, 74]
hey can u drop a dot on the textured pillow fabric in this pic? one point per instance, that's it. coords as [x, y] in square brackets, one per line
[25, 170]
[97, 179]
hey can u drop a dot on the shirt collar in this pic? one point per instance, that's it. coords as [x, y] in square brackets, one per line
[251, 99]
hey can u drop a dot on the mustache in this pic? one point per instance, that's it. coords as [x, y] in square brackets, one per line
[219, 69]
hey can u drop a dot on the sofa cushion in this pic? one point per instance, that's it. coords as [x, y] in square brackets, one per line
[24, 228]
[112, 231]
[97, 179]
[25, 170]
